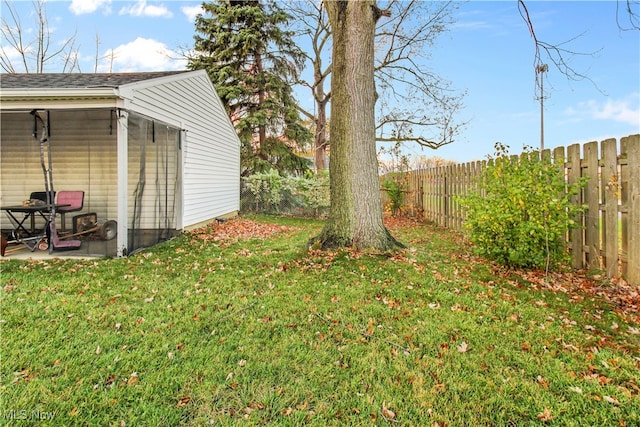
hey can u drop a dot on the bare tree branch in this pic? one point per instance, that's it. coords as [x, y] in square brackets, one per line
[632, 10]
[414, 104]
[34, 55]
[558, 54]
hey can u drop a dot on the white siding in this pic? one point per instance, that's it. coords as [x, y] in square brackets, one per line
[210, 149]
[84, 149]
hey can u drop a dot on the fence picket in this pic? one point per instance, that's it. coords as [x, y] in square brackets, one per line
[632, 273]
[611, 194]
[574, 171]
[592, 200]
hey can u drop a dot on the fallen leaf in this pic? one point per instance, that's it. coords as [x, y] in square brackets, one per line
[288, 411]
[184, 401]
[576, 389]
[610, 399]
[545, 415]
[463, 347]
[133, 378]
[370, 327]
[387, 413]
[543, 382]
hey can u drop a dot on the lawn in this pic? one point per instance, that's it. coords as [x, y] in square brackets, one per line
[242, 324]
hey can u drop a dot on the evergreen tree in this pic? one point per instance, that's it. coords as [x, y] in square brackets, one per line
[253, 62]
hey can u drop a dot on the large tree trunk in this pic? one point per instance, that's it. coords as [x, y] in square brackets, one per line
[355, 219]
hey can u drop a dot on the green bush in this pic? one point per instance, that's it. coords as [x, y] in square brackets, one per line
[522, 212]
[395, 187]
[266, 188]
[269, 192]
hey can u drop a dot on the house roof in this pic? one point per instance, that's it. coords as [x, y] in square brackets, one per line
[77, 80]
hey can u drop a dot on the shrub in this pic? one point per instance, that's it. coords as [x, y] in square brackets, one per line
[266, 188]
[395, 186]
[522, 212]
[269, 192]
[313, 190]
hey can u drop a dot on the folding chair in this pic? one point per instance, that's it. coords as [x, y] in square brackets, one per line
[74, 200]
[61, 245]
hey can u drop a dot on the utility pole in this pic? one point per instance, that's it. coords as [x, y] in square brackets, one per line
[540, 69]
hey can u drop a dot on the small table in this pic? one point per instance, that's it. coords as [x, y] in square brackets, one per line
[29, 212]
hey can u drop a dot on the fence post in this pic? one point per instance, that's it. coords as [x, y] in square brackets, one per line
[610, 194]
[592, 200]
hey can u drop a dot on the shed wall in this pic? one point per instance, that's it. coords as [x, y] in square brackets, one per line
[210, 148]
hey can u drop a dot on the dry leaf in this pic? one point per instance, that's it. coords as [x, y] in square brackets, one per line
[576, 389]
[545, 415]
[133, 378]
[370, 327]
[288, 411]
[543, 382]
[184, 401]
[463, 347]
[387, 413]
[610, 399]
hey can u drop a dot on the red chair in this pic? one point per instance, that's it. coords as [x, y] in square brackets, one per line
[74, 200]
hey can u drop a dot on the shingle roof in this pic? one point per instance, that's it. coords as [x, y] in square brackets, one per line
[76, 80]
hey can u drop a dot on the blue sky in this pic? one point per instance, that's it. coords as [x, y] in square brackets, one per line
[488, 52]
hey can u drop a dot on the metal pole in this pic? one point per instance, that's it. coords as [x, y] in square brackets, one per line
[540, 69]
[541, 113]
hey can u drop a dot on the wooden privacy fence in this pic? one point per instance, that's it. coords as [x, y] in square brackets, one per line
[609, 238]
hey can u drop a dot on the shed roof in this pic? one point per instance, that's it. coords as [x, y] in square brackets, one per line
[77, 80]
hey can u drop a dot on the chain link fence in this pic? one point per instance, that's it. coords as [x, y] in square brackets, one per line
[270, 193]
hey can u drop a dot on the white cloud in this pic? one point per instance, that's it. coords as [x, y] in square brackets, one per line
[80, 7]
[141, 55]
[625, 110]
[191, 11]
[141, 8]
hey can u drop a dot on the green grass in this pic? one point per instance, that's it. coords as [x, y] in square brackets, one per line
[261, 331]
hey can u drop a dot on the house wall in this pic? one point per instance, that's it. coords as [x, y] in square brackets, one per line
[83, 151]
[210, 146]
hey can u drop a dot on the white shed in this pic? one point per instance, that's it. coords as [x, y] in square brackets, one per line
[154, 151]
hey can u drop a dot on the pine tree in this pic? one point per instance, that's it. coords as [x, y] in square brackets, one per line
[253, 62]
